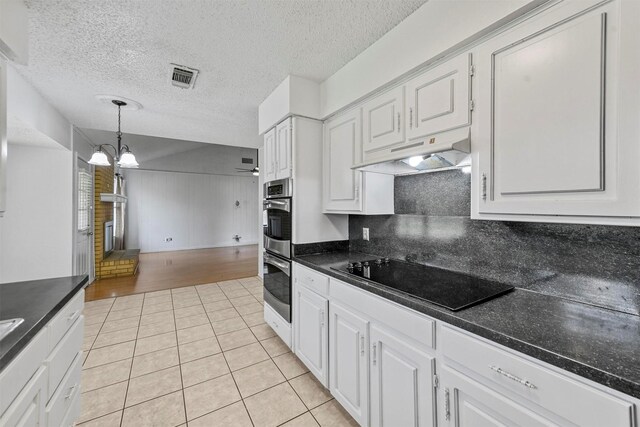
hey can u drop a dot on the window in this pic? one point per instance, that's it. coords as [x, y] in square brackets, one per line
[84, 199]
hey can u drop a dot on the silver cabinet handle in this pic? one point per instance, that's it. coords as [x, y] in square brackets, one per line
[512, 377]
[410, 117]
[71, 390]
[73, 316]
[398, 122]
[362, 345]
[483, 186]
[322, 318]
[374, 354]
[447, 405]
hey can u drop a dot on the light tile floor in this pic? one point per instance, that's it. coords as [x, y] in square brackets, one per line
[199, 355]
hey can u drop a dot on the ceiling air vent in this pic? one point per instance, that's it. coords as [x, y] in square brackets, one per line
[247, 161]
[183, 77]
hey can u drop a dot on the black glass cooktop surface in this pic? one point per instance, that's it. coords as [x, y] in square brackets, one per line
[448, 289]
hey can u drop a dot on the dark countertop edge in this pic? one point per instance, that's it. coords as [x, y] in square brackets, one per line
[8, 357]
[580, 369]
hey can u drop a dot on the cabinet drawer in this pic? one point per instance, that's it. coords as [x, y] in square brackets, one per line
[63, 355]
[410, 323]
[278, 324]
[28, 407]
[317, 282]
[572, 400]
[66, 395]
[64, 319]
[14, 377]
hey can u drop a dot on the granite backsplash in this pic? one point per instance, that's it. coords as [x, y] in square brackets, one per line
[594, 264]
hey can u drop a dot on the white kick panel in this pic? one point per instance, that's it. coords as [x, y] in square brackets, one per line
[548, 111]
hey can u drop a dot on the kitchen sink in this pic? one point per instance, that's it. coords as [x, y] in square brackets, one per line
[6, 326]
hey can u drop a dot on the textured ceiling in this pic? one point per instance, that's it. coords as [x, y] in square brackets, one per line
[243, 49]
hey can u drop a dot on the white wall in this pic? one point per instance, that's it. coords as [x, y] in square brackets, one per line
[36, 230]
[435, 28]
[209, 158]
[32, 111]
[195, 210]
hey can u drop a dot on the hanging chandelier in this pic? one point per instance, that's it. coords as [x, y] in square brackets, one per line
[123, 155]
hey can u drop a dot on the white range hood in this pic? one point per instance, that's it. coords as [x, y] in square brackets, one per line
[443, 156]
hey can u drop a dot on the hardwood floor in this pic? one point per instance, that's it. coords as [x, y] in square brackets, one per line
[166, 270]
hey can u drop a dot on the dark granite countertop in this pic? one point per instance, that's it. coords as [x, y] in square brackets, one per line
[596, 343]
[36, 301]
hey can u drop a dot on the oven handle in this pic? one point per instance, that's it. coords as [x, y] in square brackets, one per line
[284, 266]
[277, 204]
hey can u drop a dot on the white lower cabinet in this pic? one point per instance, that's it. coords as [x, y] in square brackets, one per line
[41, 385]
[28, 407]
[401, 382]
[382, 363]
[482, 381]
[311, 335]
[348, 361]
[467, 403]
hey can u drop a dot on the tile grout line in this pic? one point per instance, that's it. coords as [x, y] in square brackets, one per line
[227, 363]
[126, 394]
[175, 324]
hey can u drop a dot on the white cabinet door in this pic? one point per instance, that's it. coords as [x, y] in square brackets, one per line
[3, 136]
[270, 155]
[553, 131]
[467, 403]
[348, 344]
[439, 100]
[383, 122]
[283, 149]
[27, 410]
[401, 382]
[342, 187]
[311, 333]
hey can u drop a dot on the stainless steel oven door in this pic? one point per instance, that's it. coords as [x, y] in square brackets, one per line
[277, 226]
[277, 285]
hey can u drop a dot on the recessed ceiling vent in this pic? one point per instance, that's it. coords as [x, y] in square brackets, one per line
[183, 77]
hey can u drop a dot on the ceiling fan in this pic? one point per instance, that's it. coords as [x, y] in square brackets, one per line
[255, 171]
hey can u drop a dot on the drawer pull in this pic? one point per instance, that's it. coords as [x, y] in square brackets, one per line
[71, 390]
[73, 316]
[374, 354]
[512, 377]
[447, 405]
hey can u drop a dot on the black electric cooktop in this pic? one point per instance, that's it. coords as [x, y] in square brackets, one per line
[448, 289]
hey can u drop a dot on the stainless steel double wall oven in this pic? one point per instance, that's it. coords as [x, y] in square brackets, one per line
[277, 228]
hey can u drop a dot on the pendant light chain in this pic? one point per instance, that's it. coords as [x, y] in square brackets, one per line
[119, 133]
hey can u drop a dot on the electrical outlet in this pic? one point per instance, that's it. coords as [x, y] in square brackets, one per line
[365, 233]
[168, 239]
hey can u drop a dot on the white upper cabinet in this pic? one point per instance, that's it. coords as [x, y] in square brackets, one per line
[554, 131]
[278, 152]
[383, 122]
[342, 145]
[439, 100]
[283, 150]
[270, 155]
[346, 190]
